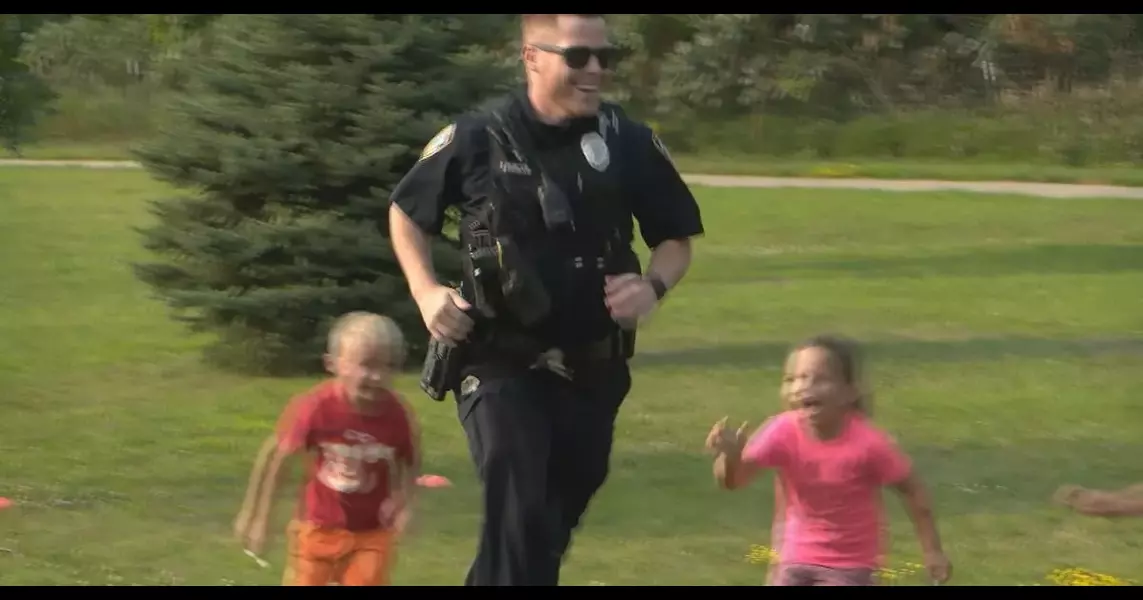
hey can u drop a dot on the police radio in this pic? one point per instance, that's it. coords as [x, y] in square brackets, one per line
[554, 205]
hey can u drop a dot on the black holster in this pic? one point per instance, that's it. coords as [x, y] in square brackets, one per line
[441, 370]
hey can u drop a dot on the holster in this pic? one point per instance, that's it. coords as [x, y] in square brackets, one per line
[441, 370]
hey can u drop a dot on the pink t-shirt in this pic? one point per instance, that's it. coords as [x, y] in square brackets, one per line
[833, 489]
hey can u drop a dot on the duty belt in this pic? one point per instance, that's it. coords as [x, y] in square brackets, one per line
[525, 350]
[556, 359]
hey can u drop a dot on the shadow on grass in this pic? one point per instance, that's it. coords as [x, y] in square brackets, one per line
[897, 351]
[992, 262]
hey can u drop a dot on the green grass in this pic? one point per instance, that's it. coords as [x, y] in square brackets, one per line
[1004, 333]
[711, 164]
[1127, 175]
[64, 150]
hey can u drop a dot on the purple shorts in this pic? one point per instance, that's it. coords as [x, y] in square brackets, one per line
[802, 575]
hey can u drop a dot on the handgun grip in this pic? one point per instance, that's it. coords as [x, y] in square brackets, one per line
[434, 372]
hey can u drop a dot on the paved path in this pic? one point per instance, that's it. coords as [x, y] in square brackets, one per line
[1044, 190]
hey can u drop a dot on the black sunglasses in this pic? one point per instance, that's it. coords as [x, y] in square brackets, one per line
[577, 57]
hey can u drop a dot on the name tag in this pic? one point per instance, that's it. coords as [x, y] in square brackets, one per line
[515, 168]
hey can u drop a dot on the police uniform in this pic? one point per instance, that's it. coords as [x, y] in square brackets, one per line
[540, 431]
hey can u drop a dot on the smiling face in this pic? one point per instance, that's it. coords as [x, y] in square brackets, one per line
[364, 351]
[568, 59]
[818, 388]
[364, 369]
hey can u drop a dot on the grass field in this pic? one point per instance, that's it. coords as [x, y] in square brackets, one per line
[1005, 339]
[1128, 175]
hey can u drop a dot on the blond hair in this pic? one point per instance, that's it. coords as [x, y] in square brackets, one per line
[530, 23]
[369, 328]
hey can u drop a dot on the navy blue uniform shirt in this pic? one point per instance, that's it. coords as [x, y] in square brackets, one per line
[454, 170]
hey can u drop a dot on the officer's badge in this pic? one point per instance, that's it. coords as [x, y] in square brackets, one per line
[595, 151]
[662, 148]
[439, 142]
[469, 385]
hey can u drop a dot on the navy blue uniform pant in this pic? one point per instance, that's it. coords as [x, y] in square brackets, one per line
[542, 447]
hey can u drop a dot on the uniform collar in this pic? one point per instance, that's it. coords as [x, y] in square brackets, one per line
[545, 132]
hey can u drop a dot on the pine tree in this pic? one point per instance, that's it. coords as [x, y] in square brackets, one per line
[288, 141]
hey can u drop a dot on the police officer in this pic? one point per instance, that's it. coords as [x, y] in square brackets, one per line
[558, 175]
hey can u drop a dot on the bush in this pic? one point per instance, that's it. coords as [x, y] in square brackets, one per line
[289, 139]
[1086, 128]
[100, 113]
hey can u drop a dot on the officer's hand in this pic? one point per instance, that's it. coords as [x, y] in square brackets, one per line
[629, 296]
[442, 310]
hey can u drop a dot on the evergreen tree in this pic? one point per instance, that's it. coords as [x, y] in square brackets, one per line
[289, 140]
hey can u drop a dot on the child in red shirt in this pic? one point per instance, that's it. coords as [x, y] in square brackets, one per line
[363, 439]
[831, 462]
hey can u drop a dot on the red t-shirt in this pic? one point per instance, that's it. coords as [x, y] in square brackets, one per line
[356, 454]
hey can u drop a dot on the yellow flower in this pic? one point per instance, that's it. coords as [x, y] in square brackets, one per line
[1074, 577]
[761, 555]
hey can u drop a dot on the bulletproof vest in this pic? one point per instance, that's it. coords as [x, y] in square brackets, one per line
[585, 166]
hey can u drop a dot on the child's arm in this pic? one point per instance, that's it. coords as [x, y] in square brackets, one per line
[920, 509]
[408, 470]
[251, 524]
[1127, 502]
[265, 477]
[254, 485]
[737, 461]
[894, 469]
[731, 472]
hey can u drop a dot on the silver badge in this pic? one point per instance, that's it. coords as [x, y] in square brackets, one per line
[595, 151]
[469, 385]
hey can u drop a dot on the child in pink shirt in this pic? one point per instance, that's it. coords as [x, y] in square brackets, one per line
[831, 463]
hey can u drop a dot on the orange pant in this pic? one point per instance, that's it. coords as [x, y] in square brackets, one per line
[321, 556]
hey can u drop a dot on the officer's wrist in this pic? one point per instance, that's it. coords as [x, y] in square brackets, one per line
[658, 285]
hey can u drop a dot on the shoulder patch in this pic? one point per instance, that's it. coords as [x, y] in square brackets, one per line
[662, 148]
[439, 142]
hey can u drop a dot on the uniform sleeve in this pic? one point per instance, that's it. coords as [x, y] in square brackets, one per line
[296, 424]
[442, 176]
[768, 448]
[663, 204]
[889, 464]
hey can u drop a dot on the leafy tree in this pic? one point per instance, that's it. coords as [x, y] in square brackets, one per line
[288, 141]
[23, 96]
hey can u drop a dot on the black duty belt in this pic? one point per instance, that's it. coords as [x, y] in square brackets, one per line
[564, 362]
[528, 351]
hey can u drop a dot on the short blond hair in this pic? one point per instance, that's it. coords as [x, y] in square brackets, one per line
[376, 330]
[530, 23]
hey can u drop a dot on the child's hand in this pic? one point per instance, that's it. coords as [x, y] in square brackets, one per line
[1068, 494]
[1092, 502]
[721, 440]
[939, 567]
[397, 513]
[253, 539]
[401, 522]
[1080, 499]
